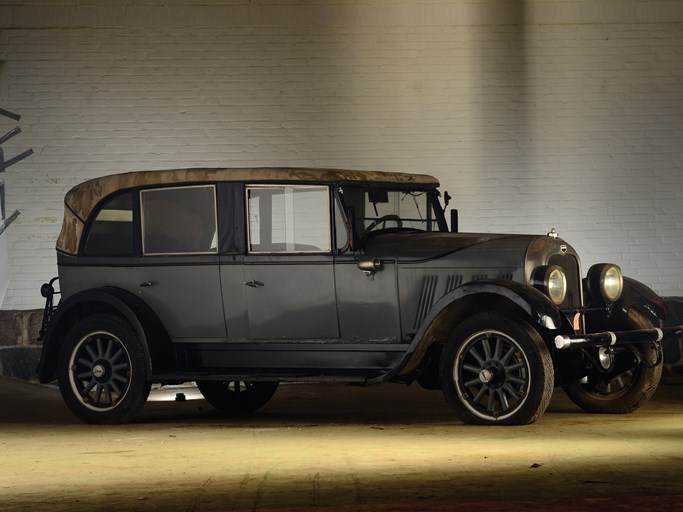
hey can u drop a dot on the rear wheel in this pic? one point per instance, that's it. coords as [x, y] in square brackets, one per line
[101, 370]
[237, 396]
[496, 370]
[619, 391]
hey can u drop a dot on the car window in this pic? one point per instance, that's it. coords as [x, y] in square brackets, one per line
[376, 209]
[111, 233]
[288, 219]
[179, 220]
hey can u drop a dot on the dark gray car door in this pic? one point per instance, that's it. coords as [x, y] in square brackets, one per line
[179, 271]
[288, 269]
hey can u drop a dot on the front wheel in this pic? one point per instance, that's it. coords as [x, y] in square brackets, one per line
[496, 370]
[101, 370]
[237, 396]
[622, 392]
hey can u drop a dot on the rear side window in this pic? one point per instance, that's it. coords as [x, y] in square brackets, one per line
[111, 233]
[179, 220]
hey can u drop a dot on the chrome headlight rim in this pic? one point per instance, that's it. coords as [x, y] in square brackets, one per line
[552, 281]
[606, 282]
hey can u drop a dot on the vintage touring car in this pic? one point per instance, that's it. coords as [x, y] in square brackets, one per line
[241, 279]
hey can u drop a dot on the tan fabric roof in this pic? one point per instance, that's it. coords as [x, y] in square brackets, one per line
[80, 200]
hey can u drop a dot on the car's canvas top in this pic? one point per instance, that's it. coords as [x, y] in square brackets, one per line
[80, 200]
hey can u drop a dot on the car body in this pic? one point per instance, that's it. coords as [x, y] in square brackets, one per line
[240, 279]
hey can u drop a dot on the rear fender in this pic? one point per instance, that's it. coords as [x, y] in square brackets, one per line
[109, 300]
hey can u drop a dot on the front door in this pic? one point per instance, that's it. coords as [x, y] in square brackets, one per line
[288, 268]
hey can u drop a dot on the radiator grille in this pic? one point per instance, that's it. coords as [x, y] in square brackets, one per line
[571, 269]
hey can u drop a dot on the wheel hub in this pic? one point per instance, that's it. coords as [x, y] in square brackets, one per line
[98, 371]
[492, 374]
[486, 376]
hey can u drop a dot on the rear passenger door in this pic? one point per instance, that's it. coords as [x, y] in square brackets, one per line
[288, 267]
[179, 271]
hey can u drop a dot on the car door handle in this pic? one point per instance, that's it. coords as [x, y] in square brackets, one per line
[253, 284]
[146, 284]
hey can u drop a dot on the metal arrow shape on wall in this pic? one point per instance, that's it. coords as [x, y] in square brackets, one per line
[9, 114]
[4, 164]
[4, 224]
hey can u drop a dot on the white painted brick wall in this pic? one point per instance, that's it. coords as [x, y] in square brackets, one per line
[533, 115]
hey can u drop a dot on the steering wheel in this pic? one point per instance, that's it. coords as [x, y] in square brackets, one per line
[383, 220]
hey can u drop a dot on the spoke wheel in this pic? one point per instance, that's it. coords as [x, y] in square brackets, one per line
[237, 396]
[497, 370]
[621, 393]
[616, 386]
[101, 371]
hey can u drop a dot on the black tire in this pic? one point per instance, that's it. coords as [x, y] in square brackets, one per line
[101, 370]
[496, 370]
[237, 397]
[625, 392]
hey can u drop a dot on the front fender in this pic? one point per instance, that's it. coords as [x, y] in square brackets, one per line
[467, 300]
[641, 297]
[100, 300]
[637, 299]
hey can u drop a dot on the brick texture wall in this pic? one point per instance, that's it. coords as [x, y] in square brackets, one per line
[534, 114]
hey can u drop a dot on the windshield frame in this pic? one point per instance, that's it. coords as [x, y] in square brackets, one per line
[432, 197]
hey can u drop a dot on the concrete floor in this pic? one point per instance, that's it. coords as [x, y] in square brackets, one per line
[338, 448]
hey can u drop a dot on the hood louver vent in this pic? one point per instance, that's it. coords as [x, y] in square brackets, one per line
[426, 299]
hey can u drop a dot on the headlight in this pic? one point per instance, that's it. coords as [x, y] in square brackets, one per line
[552, 281]
[606, 282]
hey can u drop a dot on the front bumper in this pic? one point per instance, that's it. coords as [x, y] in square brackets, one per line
[611, 338]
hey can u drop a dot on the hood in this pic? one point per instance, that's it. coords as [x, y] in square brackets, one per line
[495, 255]
[420, 247]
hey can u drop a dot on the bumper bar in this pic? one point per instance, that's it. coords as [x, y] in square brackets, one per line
[609, 338]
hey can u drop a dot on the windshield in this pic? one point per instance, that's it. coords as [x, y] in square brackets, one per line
[377, 209]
